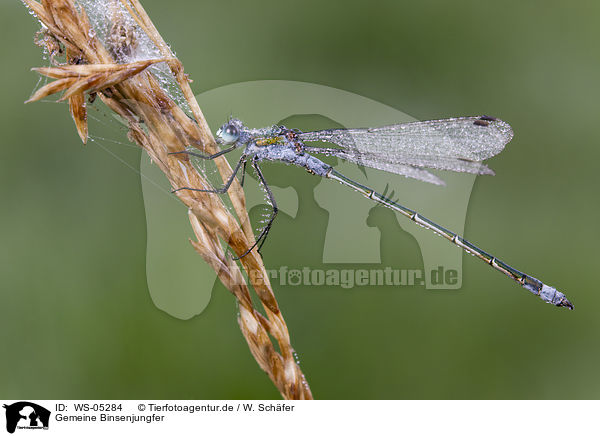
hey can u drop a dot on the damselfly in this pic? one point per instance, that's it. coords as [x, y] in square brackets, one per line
[454, 144]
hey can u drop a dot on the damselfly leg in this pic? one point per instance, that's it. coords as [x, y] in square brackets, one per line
[260, 240]
[262, 237]
[220, 190]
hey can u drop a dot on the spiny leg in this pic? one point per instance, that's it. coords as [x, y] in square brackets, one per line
[206, 156]
[265, 231]
[243, 174]
[222, 189]
[275, 210]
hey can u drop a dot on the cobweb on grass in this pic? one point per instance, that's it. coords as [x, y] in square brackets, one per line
[126, 40]
[118, 31]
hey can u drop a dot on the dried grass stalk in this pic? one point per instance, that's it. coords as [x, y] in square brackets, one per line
[159, 126]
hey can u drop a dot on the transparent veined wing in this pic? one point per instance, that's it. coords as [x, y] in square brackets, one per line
[455, 144]
[375, 161]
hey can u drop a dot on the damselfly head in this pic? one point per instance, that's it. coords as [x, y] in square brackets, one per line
[229, 133]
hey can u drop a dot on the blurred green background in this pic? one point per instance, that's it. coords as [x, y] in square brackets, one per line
[76, 317]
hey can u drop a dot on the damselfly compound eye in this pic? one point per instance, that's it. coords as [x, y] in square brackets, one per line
[228, 134]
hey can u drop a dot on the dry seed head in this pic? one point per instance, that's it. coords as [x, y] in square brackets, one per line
[167, 128]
